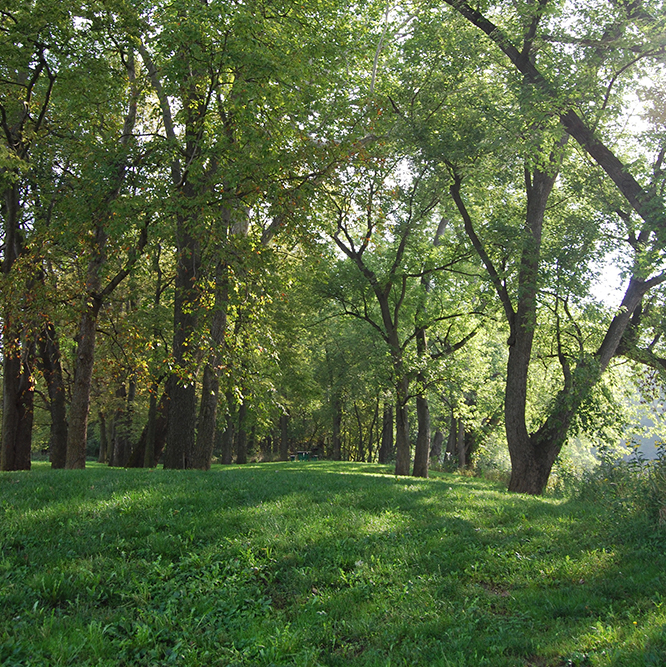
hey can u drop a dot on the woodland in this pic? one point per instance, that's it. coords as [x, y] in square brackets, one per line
[236, 229]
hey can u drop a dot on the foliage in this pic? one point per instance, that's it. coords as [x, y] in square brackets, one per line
[633, 487]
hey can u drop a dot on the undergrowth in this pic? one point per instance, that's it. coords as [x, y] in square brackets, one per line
[635, 487]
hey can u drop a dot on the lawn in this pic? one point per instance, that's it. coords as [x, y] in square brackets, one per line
[319, 564]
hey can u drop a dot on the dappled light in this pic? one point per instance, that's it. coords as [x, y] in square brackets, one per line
[313, 567]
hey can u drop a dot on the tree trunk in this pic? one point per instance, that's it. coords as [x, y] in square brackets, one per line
[141, 456]
[241, 451]
[452, 440]
[284, 437]
[18, 394]
[77, 434]
[49, 356]
[18, 407]
[183, 403]
[402, 444]
[203, 451]
[462, 452]
[360, 453]
[103, 441]
[228, 436]
[119, 443]
[151, 429]
[210, 387]
[422, 450]
[219, 442]
[386, 448]
[266, 448]
[436, 449]
[336, 453]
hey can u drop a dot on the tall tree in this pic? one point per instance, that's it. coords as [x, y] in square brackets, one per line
[28, 57]
[541, 102]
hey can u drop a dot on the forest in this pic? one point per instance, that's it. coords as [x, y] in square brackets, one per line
[371, 231]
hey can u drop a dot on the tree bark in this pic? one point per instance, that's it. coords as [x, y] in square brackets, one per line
[452, 440]
[460, 445]
[336, 453]
[22, 118]
[119, 443]
[141, 455]
[228, 443]
[241, 451]
[49, 357]
[360, 453]
[183, 403]
[436, 449]
[151, 429]
[402, 444]
[18, 394]
[228, 435]
[18, 410]
[103, 440]
[205, 442]
[78, 410]
[284, 437]
[538, 187]
[386, 448]
[210, 386]
[422, 450]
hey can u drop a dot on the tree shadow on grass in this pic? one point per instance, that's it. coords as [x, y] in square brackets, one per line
[339, 561]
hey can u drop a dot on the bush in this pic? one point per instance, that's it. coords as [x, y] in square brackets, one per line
[634, 486]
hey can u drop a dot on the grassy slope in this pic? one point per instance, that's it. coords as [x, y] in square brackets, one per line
[318, 564]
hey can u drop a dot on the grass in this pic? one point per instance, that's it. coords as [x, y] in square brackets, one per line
[319, 564]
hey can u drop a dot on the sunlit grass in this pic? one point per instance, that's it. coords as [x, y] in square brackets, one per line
[318, 564]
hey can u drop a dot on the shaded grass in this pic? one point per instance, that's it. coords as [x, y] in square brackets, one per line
[318, 564]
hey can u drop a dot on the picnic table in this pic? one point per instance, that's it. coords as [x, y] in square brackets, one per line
[303, 456]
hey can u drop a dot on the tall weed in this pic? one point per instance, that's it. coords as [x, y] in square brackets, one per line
[635, 486]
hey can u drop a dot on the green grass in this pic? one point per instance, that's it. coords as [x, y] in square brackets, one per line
[319, 564]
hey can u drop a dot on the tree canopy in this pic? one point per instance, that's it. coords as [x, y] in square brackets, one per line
[234, 229]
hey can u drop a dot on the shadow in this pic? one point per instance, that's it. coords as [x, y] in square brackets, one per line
[344, 560]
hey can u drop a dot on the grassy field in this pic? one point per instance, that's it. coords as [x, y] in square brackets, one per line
[319, 564]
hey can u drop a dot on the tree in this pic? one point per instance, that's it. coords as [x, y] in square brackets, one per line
[540, 102]
[28, 49]
[381, 228]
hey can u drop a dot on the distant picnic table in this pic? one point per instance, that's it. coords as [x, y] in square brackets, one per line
[303, 456]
